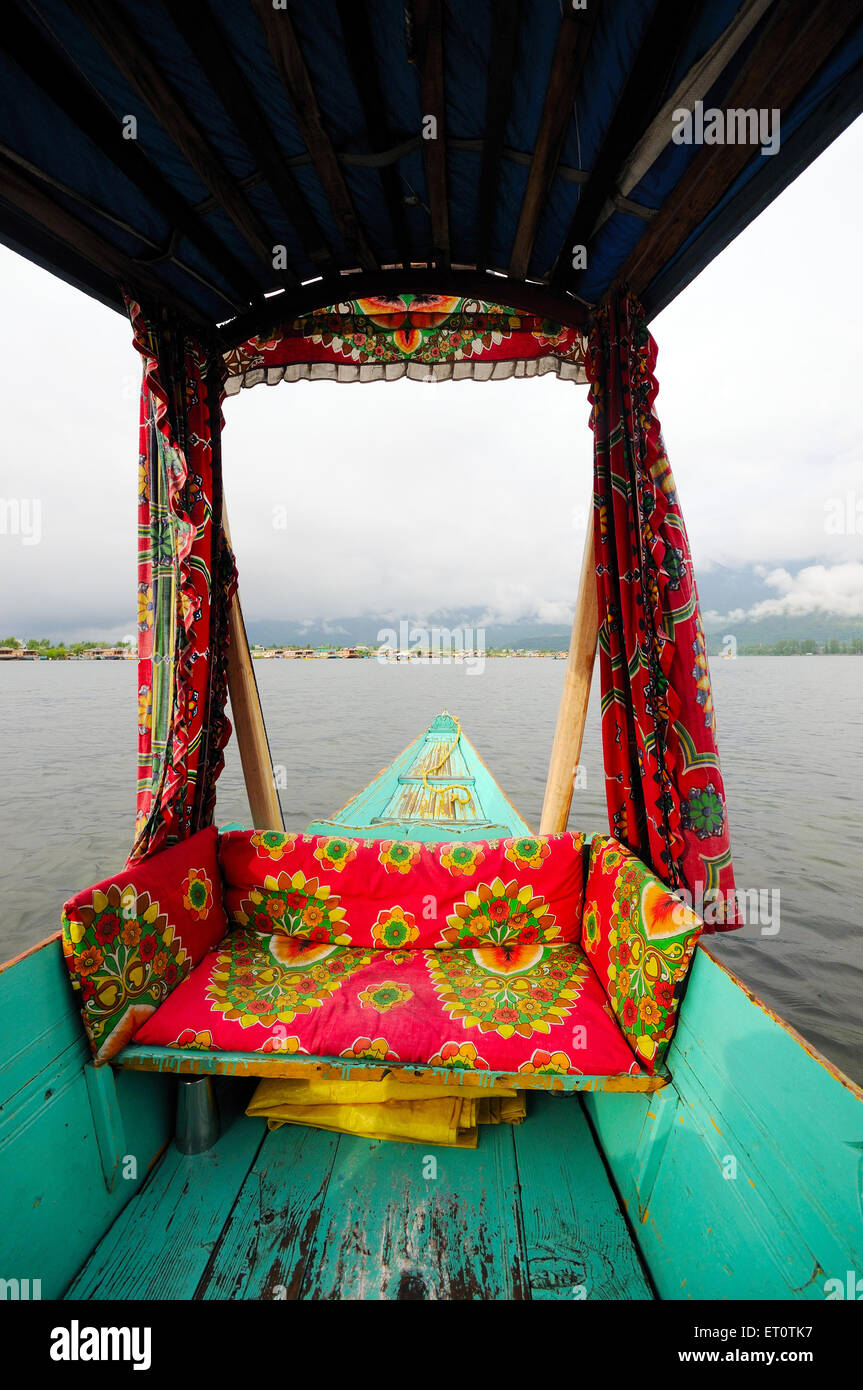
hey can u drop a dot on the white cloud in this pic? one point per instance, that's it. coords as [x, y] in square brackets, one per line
[826, 589]
[814, 589]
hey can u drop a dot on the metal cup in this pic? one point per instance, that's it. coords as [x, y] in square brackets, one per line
[197, 1115]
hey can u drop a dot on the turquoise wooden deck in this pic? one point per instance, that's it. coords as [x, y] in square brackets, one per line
[303, 1214]
[740, 1179]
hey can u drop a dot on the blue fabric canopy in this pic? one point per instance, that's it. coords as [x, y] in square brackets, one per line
[188, 214]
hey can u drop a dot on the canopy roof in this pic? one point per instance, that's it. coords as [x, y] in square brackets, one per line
[245, 164]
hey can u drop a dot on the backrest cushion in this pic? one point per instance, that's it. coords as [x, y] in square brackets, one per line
[131, 939]
[640, 940]
[404, 895]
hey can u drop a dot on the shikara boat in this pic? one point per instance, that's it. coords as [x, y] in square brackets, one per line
[598, 1195]
[310, 192]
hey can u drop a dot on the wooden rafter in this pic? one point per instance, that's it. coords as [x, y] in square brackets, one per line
[694, 87]
[26, 44]
[644, 88]
[127, 50]
[360, 53]
[289, 63]
[501, 66]
[471, 284]
[428, 17]
[30, 197]
[790, 51]
[195, 22]
[570, 55]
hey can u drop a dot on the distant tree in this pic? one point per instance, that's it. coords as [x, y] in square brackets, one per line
[9, 642]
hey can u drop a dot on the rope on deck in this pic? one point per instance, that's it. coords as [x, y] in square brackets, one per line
[448, 792]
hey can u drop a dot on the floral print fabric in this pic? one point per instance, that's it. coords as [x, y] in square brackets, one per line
[434, 335]
[664, 787]
[186, 580]
[403, 895]
[132, 939]
[511, 1009]
[334, 952]
[640, 939]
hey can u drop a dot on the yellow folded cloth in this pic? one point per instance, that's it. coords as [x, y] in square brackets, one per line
[387, 1109]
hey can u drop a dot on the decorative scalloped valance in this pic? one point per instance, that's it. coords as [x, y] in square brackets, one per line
[420, 336]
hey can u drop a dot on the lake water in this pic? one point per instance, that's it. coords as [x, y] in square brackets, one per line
[790, 740]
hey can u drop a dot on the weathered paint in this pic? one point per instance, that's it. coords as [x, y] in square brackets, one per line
[107, 1120]
[786, 1214]
[304, 1214]
[196, 1061]
[161, 1243]
[577, 1243]
[54, 1203]
[263, 1250]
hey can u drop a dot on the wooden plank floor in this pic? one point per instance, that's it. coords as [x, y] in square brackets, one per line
[300, 1213]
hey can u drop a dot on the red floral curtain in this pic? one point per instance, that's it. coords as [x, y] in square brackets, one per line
[666, 798]
[186, 579]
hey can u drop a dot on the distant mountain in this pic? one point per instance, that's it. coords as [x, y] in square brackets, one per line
[721, 591]
[366, 629]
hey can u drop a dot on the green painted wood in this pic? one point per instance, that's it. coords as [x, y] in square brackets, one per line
[264, 1248]
[388, 1232]
[160, 1245]
[107, 1120]
[370, 810]
[756, 1141]
[39, 1017]
[577, 1243]
[198, 1061]
[54, 1205]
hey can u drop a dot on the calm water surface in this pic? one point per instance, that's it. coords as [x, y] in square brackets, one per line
[790, 731]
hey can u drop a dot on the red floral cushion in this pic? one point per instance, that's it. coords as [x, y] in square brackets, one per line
[640, 940]
[130, 940]
[516, 1009]
[397, 894]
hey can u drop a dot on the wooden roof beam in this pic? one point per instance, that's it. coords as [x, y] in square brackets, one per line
[637, 100]
[31, 198]
[501, 67]
[26, 43]
[470, 284]
[290, 65]
[127, 50]
[695, 85]
[196, 23]
[570, 55]
[360, 53]
[793, 46]
[428, 18]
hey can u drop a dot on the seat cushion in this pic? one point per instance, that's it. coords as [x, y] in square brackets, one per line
[640, 940]
[132, 939]
[394, 894]
[513, 1009]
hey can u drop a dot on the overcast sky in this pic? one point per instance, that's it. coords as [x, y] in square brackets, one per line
[407, 498]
